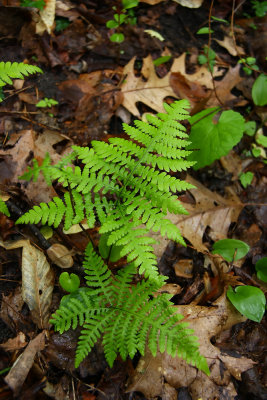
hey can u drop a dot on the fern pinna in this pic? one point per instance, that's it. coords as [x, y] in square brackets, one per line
[124, 185]
[127, 316]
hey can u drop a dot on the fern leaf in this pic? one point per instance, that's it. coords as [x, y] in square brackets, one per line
[3, 208]
[15, 70]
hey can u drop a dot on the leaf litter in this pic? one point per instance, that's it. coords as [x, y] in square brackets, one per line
[94, 84]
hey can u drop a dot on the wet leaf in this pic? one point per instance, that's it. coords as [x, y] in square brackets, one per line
[249, 301]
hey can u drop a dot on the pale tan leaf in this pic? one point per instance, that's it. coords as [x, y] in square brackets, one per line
[151, 373]
[229, 44]
[15, 343]
[23, 364]
[151, 92]
[60, 255]
[37, 281]
[47, 17]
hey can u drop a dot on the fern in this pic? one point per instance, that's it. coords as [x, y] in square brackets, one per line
[124, 186]
[132, 175]
[3, 208]
[127, 316]
[15, 70]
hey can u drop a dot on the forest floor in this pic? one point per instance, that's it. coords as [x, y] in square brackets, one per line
[97, 85]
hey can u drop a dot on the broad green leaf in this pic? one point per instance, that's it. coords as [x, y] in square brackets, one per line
[261, 140]
[259, 90]
[112, 24]
[230, 249]
[69, 282]
[246, 178]
[202, 59]
[214, 140]
[250, 128]
[204, 30]
[113, 253]
[261, 268]
[161, 60]
[129, 3]
[249, 301]
[117, 37]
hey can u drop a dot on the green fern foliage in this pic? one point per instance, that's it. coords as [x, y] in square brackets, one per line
[126, 185]
[3, 208]
[128, 317]
[15, 70]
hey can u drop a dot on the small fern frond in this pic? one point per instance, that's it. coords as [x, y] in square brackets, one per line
[3, 208]
[15, 70]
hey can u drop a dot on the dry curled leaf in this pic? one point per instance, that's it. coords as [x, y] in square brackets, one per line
[37, 281]
[153, 372]
[60, 255]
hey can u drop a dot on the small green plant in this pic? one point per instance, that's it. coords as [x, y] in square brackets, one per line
[124, 187]
[259, 90]
[259, 7]
[248, 65]
[15, 70]
[248, 300]
[214, 139]
[121, 17]
[246, 178]
[40, 4]
[3, 208]
[61, 23]
[69, 282]
[46, 103]
[209, 58]
[261, 268]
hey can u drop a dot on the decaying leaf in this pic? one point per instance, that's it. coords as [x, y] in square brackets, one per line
[209, 210]
[37, 281]
[23, 364]
[229, 44]
[15, 343]
[207, 322]
[177, 83]
[46, 17]
[60, 255]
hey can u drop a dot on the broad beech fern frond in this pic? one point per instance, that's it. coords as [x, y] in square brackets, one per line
[128, 317]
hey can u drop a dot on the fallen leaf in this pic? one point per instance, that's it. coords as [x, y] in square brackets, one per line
[20, 369]
[152, 91]
[208, 210]
[60, 255]
[46, 17]
[15, 343]
[207, 322]
[11, 308]
[229, 44]
[37, 281]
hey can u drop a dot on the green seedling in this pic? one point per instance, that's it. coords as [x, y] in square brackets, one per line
[69, 282]
[261, 268]
[248, 65]
[208, 58]
[230, 249]
[259, 7]
[125, 16]
[46, 103]
[246, 178]
[249, 301]
[250, 128]
[61, 24]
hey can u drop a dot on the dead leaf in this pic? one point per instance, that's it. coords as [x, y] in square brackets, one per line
[209, 210]
[224, 87]
[60, 255]
[23, 364]
[151, 92]
[184, 268]
[37, 281]
[232, 163]
[46, 17]
[11, 308]
[229, 44]
[15, 343]
[207, 322]
[177, 83]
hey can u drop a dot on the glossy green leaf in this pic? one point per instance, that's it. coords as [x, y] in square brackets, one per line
[261, 268]
[246, 178]
[117, 37]
[69, 282]
[129, 3]
[204, 30]
[259, 90]
[214, 140]
[231, 249]
[249, 301]
[250, 128]
[113, 253]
